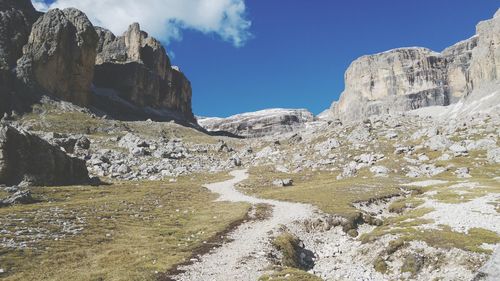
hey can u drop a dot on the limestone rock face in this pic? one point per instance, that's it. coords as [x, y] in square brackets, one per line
[411, 78]
[16, 19]
[60, 55]
[28, 160]
[137, 67]
[259, 123]
[485, 65]
[399, 79]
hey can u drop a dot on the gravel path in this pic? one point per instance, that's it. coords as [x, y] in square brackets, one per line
[245, 257]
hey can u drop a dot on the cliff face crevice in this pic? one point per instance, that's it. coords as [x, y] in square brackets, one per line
[410, 78]
[138, 69]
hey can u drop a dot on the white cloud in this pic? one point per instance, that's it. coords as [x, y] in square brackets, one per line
[40, 5]
[165, 19]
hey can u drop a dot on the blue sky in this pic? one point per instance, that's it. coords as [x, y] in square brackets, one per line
[299, 49]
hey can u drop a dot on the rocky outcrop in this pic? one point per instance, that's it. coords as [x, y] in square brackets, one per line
[16, 19]
[411, 78]
[259, 123]
[60, 55]
[136, 67]
[26, 160]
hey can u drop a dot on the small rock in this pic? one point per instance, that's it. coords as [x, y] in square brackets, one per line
[20, 197]
[391, 135]
[83, 143]
[463, 172]
[236, 161]
[123, 169]
[283, 182]
[379, 171]
[349, 170]
[458, 149]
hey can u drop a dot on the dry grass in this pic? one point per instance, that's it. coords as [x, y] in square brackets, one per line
[321, 189]
[130, 230]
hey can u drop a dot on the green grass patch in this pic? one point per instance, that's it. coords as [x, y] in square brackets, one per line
[288, 245]
[380, 265]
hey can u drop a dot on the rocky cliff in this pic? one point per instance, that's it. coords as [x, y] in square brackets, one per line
[259, 123]
[61, 54]
[136, 67]
[410, 78]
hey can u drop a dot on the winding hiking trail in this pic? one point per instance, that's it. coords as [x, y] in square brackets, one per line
[244, 258]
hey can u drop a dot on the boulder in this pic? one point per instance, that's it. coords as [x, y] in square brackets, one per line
[325, 147]
[60, 55]
[360, 135]
[137, 69]
[438, 142]
[26, 159]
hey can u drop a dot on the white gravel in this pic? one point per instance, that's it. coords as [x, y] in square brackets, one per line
[425, 183]
[461, 217]
[245, 257]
